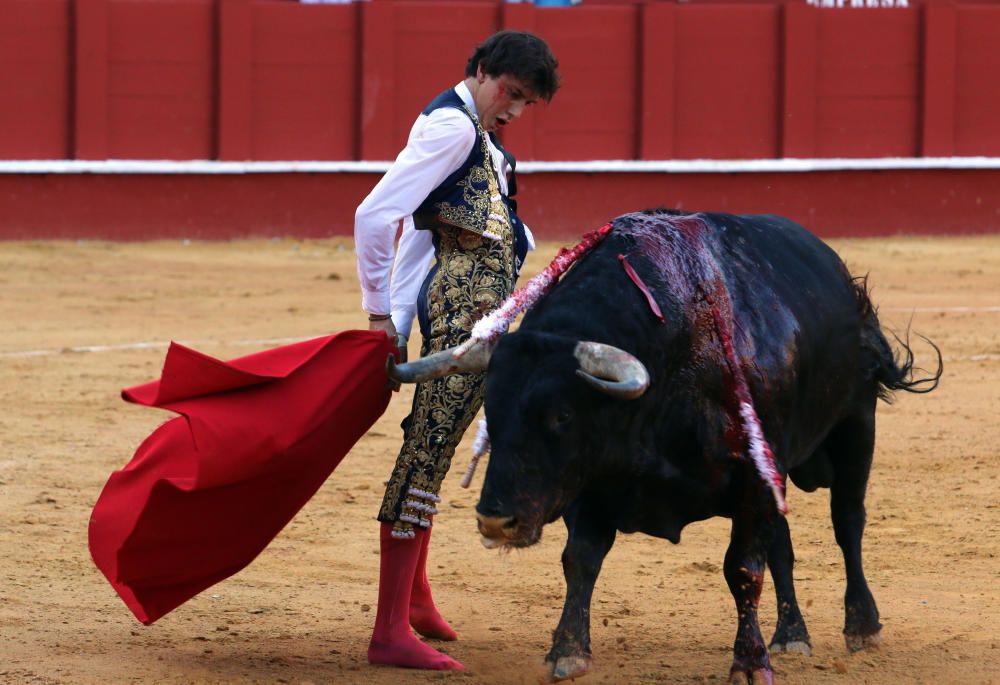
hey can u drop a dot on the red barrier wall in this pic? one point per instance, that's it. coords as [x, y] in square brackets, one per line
[643, 79]
[160, 63]
[726, 96]
[303, 74]
[594, 116]
[35, 103]
[276, 79]
[410, 53]
[867, 85]
[977, 73]
[556, 205]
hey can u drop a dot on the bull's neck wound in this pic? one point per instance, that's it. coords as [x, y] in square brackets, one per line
[676, 246]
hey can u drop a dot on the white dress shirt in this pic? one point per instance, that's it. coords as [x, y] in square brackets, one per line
[438, 145]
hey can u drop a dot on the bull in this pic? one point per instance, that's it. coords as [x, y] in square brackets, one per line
[631, 396]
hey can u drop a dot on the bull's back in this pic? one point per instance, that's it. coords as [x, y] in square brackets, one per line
[788, 262]
[793, 298]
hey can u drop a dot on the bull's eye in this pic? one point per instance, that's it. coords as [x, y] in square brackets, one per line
[560, 419]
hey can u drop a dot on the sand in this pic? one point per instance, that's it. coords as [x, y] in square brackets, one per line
[76, 316]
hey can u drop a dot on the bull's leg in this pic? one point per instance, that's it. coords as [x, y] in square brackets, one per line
[590, 538]
[852, 445]
[744, 571]
[790, 635]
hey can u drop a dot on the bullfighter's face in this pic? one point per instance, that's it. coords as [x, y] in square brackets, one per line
[500, 99]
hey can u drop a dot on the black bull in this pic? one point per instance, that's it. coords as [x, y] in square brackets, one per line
[576, 434]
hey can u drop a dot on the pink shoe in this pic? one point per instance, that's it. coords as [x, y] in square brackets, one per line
[392, 641]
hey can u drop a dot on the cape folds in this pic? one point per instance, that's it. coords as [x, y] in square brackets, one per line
[256, 437]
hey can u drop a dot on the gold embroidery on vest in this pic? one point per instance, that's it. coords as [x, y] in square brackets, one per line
[483, 211]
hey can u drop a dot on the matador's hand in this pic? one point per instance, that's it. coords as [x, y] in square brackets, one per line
[384, 325]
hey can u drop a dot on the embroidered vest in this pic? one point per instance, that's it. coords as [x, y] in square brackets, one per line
[470, 197]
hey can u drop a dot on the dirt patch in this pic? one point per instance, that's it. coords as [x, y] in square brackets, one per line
[303, 611]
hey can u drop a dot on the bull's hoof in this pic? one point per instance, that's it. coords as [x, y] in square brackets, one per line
[791, 635]
[567, 667]
[791, 647]
[857, 643]
[758, 676]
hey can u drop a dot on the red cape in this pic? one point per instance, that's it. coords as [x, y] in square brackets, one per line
[256, 437]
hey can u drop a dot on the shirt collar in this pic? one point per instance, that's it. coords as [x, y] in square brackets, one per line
[466, 95]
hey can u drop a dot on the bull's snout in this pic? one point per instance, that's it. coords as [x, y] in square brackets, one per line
[496, 530]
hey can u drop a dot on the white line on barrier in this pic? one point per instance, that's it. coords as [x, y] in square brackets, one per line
[200, 166]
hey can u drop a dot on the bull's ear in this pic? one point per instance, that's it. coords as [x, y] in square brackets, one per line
[611, 370]
[439, 364]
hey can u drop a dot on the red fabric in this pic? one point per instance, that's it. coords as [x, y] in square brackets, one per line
[424, 616]
[655, 308]
[257, 436]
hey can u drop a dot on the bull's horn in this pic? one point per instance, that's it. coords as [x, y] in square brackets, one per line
[439, 364]
[611, 370]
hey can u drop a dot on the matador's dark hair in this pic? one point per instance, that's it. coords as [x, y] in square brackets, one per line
[523, 55]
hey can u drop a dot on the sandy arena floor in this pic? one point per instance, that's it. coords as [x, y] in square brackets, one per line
[303, 611]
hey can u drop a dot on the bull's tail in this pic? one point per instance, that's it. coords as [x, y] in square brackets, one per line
[892, 371]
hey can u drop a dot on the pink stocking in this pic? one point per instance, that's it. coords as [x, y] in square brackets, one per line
[392, 641]
[424, 616]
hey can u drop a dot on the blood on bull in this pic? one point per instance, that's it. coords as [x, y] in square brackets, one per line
[685, 368]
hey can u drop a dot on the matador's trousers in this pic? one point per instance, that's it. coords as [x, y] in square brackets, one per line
[472, 276]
